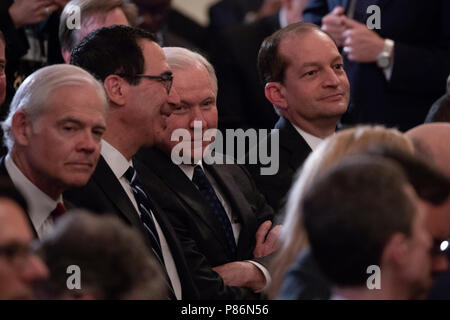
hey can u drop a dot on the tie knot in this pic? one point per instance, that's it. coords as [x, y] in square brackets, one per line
[58, 211]
[130, 174]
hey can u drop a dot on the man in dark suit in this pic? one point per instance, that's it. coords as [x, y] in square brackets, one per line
[396, 70]
[220, 217]
[306, 83]
[53, 133]
[138, 84]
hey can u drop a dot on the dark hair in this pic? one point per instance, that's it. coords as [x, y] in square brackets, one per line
[350, 214]
[430, 184]
[114, 260]
[271, 64]
[112, 50]
[440, 110]
[9, 191]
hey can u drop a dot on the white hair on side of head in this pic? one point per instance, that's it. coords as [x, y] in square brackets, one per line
[33, 94]
[182, 58]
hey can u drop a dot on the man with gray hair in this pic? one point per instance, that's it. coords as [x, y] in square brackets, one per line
[94, 14]
[53, 134]
[222, 220]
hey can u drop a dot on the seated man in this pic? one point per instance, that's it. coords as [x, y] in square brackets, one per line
[305, 81]
[20, 269]
[53, 133]
[113, 261]
[369, 247]
[218, 213]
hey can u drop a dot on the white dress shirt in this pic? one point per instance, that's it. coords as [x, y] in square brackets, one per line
[235, 225]
[40, 205]
[119, 165]
[312, 141]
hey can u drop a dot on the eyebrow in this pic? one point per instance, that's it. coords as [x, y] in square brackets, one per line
[313, 64]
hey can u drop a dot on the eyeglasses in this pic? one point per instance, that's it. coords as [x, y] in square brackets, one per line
[166, 79]
[17, 253]
[440, 246]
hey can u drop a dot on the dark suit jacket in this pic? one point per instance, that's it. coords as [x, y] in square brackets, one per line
[104, 194]
[421, 62]
[293, 150]
[197, 228]
[305, 281]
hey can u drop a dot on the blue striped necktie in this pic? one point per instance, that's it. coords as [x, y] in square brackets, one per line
[210, 196]
[145, 205]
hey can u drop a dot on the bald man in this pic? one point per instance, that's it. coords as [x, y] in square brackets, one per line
[431, 142]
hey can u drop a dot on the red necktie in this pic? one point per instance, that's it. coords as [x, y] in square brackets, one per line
[58, 211]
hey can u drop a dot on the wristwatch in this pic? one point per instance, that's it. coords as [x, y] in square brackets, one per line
[384, 59]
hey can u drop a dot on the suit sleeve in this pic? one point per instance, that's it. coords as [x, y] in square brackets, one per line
[208, 282]
[315, 11]
[16, 40]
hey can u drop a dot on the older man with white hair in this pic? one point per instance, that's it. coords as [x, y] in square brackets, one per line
[53, 133]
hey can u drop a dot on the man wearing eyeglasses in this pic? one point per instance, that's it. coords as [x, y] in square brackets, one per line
[19, 267]
[137, 80]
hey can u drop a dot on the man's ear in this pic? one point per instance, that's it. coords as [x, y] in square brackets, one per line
[21, 128]
[275, 94]
[396, 251]
[116, 89]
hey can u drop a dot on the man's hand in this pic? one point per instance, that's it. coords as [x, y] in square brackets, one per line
[266, 239]
[25, 12]
[241, 274]
[360, 43]
[334, 24]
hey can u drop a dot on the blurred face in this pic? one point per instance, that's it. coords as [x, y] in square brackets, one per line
[150, 100]
[315, 86]
[19, 268]
[113, 17]
[2, 73]
[197, 103]
[62, 147]
[152, 14]
[437, 222]
[417, 271]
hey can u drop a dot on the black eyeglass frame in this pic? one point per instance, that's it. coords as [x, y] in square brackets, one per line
[165, 78]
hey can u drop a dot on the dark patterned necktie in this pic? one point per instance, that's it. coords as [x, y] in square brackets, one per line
[210, 196]
[145, 205]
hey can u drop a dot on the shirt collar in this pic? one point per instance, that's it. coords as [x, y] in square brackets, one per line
[188, 169]
[312, 141]
[115, 160]
[40, 204]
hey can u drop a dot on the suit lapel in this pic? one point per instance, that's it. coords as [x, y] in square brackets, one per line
[292, 142]
[177, 181]
[113, 190]
[4, 173]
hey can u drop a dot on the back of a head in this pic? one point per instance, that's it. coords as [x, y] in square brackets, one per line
[33, 94]
[113, 260]
[350, 214]
[112, 50]
[70, 35]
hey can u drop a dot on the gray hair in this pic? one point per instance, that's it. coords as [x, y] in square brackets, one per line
[32, 95]
[181, 58]
[90, 9]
